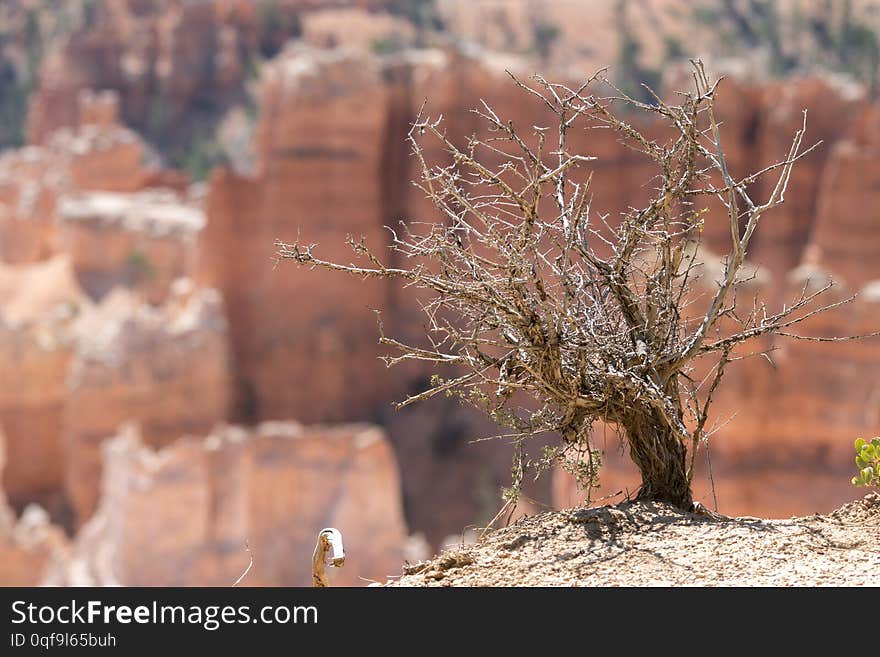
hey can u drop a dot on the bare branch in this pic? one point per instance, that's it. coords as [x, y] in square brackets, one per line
[551, 315]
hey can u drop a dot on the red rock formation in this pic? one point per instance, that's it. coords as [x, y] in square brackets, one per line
[320, 150]
[173, 62]
[183, 515]
[845, 236]
[38, 306]
[142, 241]
[122, 50]
[166, 368]
[48, 205]
[31, 549]
[28, 188]
[825, 394]
[831, 110]
[99, 155]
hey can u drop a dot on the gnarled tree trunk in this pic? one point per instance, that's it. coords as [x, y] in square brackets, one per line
[660, 456]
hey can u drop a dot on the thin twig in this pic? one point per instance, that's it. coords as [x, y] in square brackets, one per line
[249, 566]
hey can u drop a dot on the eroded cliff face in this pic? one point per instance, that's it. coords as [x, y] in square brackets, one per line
[141, 241]
[320, 145]
[178, 66]
[100, 326]
[38, 305]
[165, 368]
[79, 217]
[31, 548]
[332, 161]
[185, 515]
[53, 197]
[74, 371]
[157, 54]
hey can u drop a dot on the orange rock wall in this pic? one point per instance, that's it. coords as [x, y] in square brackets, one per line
[167, 59]
[141, 241]
[182, 516]
[166, 369]
[312, 356]
[38, 306]
[31, 549]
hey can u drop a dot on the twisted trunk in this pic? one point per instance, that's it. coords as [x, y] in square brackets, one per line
[661, 459]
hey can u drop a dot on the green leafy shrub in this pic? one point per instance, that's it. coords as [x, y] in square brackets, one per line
[868, 462]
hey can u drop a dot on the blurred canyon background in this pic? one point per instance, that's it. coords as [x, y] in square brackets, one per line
[168, 394]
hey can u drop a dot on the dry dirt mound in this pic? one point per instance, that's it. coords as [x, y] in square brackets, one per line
[651, 544]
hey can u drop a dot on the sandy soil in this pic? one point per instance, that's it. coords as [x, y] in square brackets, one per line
[650, 544]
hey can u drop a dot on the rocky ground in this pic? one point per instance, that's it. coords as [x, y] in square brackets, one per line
[651, 544]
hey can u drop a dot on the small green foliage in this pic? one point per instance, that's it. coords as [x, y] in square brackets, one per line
[673, 47]
[868, 462]
[424, 14]
[584, 467]
[199, 157]
[14, 95]
[797, 37]
[72, 309]
[158, 114]
[389, 44]
[275, 25]
[17, 83]
[253, 67]
[545, 35]
[139, 267]
[632, 76]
